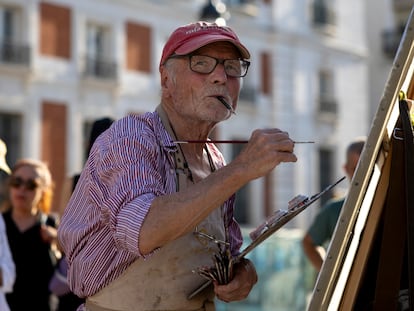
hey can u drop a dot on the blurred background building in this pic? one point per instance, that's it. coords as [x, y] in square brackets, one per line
[318, 71]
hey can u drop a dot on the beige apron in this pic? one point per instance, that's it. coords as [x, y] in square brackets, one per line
[164, 280]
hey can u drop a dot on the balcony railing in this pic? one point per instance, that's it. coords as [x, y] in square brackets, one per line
[328, 104]
[11, 53]
[100, 69]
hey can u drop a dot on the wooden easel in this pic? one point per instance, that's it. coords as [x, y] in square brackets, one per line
[370, 261]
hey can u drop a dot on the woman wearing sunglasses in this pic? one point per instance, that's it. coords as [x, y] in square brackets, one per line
[31, 234]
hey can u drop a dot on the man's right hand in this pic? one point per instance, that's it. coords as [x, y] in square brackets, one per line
[266, 149]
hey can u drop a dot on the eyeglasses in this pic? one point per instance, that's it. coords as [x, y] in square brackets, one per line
[204, 64]
[17, 182]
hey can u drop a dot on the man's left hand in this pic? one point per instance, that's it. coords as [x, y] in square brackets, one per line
[245, 277]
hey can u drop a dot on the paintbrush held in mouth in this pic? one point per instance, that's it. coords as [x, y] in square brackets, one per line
[226, 104]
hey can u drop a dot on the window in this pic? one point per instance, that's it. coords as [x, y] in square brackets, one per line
[11, 133]
[8, 17]
[323, 13]
[138, 47]
[327, 102]
[96, 37]
[53, 143]
[55, 30]
[242, 195]
[266, 73]
[98, 58]
[248, 91]
[325, 171]
[86, 134]
[390, 39]
[11, 49]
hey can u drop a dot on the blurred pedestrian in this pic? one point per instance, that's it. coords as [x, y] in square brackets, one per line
[31, 234]
[68, 301]
[7, 268]
[323, 226]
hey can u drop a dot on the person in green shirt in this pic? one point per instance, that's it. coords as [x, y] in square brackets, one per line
[323, 226]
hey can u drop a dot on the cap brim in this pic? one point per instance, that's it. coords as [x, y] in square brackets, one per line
[196, 43]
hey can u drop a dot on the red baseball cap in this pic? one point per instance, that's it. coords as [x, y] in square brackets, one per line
[191, 37]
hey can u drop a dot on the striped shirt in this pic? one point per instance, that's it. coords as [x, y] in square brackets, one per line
[129, 165]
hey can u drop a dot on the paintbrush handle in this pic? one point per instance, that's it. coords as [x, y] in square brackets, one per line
[227, 142]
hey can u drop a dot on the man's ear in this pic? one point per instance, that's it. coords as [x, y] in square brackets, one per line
[163, 77]
[166, 82]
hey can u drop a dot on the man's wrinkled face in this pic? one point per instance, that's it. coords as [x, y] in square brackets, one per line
[196, 95]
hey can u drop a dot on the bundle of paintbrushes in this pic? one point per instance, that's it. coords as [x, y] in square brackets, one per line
[222, 269]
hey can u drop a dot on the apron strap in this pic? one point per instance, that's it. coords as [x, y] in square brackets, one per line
[181, 167]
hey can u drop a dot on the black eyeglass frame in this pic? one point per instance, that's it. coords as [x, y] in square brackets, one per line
[244, 63]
